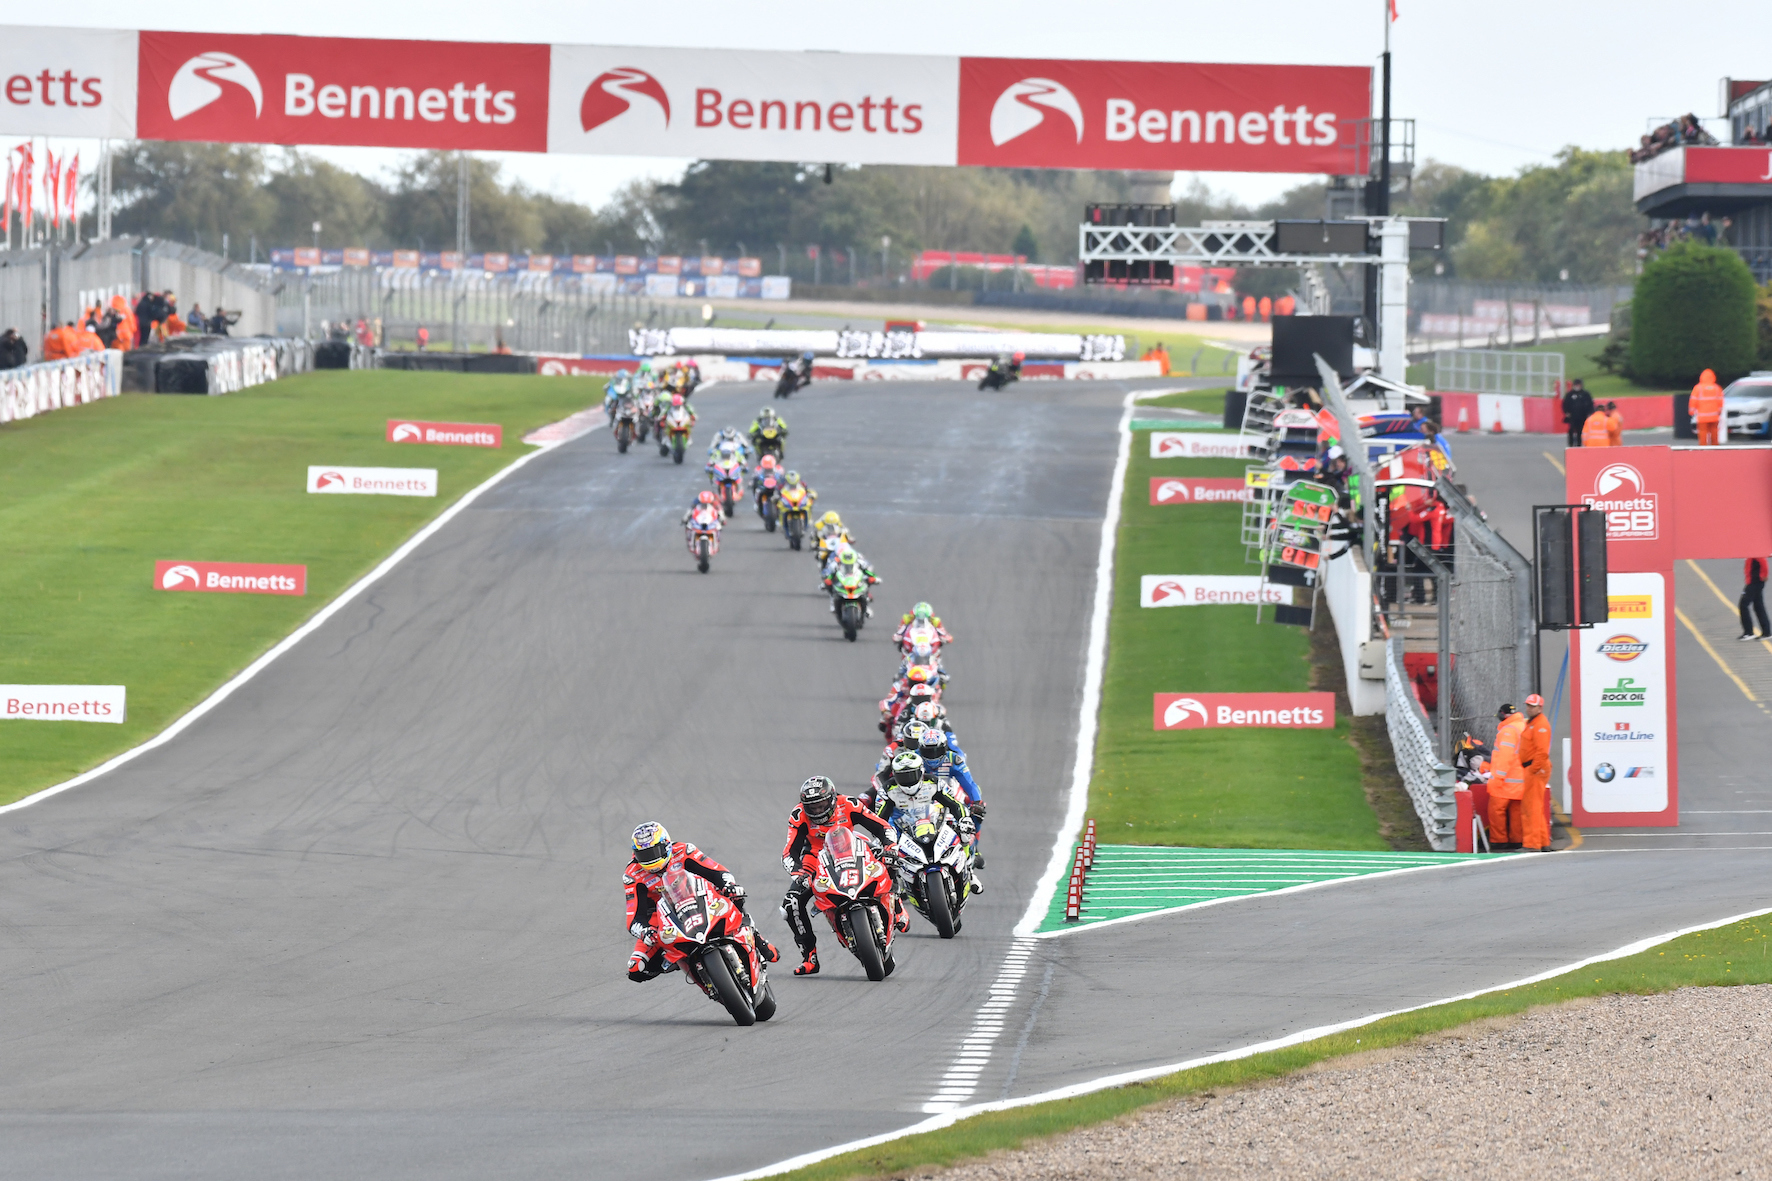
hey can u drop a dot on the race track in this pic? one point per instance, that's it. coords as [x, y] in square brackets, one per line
[364, 918]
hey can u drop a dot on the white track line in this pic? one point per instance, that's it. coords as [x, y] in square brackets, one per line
[948, 1118]
[1093, 663]
[974, 1053]
[289, 641]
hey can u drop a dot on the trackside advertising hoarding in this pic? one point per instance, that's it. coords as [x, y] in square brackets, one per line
[452, 434]
[62, 703]
[861, 108]
[1198, 445]
[1199, 490]
[373, 481]
[1207, 711]
[1208, 590]
[254, 578]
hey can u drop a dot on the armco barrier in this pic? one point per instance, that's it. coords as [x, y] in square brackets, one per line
[1524, 414]
[31, 390]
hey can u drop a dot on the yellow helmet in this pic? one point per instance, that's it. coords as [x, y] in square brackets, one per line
[652, 846]
[830, 518]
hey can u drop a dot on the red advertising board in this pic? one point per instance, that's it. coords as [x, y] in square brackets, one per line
[1033, 113]
[1236, 711]
[1198, 490]
[253, 578]
[241, 88]
[1729, 166]
[456, 434]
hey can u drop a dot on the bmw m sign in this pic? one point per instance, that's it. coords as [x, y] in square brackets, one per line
[864, 108]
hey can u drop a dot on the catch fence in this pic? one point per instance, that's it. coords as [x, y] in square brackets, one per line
[1494, 371]
[538, 314]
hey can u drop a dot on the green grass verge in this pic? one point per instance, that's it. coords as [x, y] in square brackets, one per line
[1578, 361]
[1210, 401]
[92, 496]
[1281, 789]
[1736, 954]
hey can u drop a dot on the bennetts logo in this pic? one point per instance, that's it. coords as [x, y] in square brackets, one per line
[406, 430]
[178, 576]
[1180, 708]
[612, 92]
[198, 83]
[1023, 106]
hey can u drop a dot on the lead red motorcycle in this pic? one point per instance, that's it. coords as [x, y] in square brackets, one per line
[853, 888]
[711, 941]
[702, 532]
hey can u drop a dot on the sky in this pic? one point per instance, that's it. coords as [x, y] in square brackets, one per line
[1493, 86]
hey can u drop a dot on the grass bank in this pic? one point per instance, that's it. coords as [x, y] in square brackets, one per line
[91, 497]
[1735, 954]
[1262, 788]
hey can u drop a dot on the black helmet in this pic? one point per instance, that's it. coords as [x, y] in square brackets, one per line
[907, 768]
[1502, 714]
[934, 743]
[818, 799]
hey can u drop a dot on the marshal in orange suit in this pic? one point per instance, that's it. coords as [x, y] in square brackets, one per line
[1534, 753]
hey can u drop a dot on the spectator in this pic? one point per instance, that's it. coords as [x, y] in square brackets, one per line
[196, 321]
[1753, 595]
[127, 337]
[14, 350]
[424, 337]
[1578, 404]
[1705, 230]
[1751, 138]
[222, 321]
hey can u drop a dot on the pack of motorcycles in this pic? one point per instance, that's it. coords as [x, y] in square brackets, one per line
[859, 886]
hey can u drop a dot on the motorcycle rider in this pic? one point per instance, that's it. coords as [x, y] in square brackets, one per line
[643, 883]
[921, 615]
[791, 479]
[902, 701]
[730, 438]
[848, 560]
[705, 499]
[768, 433]
[620, 384]
[909, 782]
[822, 808]
[943, 758]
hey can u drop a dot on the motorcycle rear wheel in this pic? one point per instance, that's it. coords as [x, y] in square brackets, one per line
[622, 438]
[766, 1003]
[861, 942]
[939, 909]
[718, 973]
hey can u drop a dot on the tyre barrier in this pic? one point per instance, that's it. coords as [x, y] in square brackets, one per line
[213, 364]
[31, 390]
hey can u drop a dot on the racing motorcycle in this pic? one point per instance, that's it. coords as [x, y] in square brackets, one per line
[854, 890]
[793, 377]
[765, 484]
[703, 534]
[852, 595]
[628, 420]
[727, 474]
[922, 635]
[710, 939]
[937, 864]
[673, 432]
[893, 706]
[796, 513]
[1003, 370]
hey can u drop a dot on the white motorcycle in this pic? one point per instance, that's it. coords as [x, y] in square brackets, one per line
[935, 863]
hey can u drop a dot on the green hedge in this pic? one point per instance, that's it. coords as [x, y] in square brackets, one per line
[1693, 310]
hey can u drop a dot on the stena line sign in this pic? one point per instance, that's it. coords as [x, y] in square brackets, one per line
[863, 108]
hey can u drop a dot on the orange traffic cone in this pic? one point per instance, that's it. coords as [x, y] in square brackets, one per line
[1464, 422]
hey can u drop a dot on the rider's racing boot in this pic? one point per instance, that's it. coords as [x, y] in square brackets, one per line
[810, 966]
[901, 914]
[977, 883]
[770, 952]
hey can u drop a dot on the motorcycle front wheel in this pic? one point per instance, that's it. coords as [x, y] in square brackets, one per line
[766, 1003]
[702, 552]
[861, 942]
[621, 438]
[676, 454]
[939, 908]
[718, 973]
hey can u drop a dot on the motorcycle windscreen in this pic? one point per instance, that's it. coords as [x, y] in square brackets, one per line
[685, 900]
[842, 860]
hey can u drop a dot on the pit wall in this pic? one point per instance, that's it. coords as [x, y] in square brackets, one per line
[1541, 415]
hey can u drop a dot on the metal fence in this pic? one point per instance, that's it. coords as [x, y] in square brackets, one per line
[537, 314]
[1493, 626]
[1429, 780]
[1488, 371]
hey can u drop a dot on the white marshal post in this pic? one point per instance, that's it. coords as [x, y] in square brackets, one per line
[1393, 298]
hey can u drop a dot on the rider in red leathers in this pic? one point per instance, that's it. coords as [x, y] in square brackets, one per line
[922, 615]
[821, 809]
[642, 882]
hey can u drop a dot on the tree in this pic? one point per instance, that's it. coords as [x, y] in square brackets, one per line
[349, 208]
[1694, 309]
[1025, 244]
[180, 191]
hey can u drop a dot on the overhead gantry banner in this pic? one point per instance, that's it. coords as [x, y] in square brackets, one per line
[707, 103]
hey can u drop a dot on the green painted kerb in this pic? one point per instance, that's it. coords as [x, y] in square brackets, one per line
[1129, 880]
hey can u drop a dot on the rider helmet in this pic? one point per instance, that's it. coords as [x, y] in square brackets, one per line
[766, 416]
[707, 496]
[830, 518]
[767, 463]
[921, 612]
[818, 799]
[652, 846]
[846, 557]
[792, 478]
[927, 712]
[806, 356]
[920, 692]
[932, 744]
[912, 733]
[907, 768]
[646, 367]
[1020, 357]
[676, 399]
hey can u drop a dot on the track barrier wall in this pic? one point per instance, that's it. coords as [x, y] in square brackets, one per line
[1533, 415]
[31, 390]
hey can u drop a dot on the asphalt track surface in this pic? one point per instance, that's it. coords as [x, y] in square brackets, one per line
[365, 919]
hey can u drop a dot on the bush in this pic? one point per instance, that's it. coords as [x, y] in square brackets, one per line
[1693, 310]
